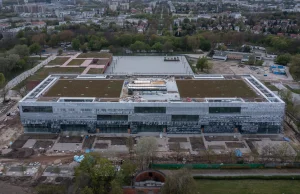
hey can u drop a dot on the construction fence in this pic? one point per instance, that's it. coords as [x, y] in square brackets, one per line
[225, 166]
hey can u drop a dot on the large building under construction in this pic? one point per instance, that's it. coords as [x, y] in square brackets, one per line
[145, 103]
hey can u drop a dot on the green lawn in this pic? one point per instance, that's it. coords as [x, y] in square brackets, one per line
[297, 91]
[271, 87]
[76, 62]
[248, 186]
[58, 61]
[94, 55]
[95, 71]
[44, 72]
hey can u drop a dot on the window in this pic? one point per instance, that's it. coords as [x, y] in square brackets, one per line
[185, 117]
[150, 109]
[227, 110]
[113, 117]
[37, 109]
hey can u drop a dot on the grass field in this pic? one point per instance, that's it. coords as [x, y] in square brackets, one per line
[248, 186]
[44, 72]
[94, 55]
[76, 62]
[58, 61]
[95, 71]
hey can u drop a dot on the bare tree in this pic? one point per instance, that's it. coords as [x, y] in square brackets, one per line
[22, 91]
[4, 93]
[283, 152]
[179, 182]
[267, 153]
[145, 151]
[209, 154]
[178, 151]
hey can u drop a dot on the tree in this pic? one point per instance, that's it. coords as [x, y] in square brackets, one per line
[145, 151]
[50, 189]
[35, 48]
[96, 172]
[21, 50]
[116, 188]
[193, 42]
[157, 47]
[2, 80]
[138, 46]
[295, 66]
[247, 49]
[251, 60]
[76, 44]
[13, 59]
[39, 38]
[87, 190]
[179, 182]
[202, 64]
[66, 35]
[53, 40]
[60, 51]
[283, 59]
[205, 45]
[287, 97]
[168, 46]
[128, 169]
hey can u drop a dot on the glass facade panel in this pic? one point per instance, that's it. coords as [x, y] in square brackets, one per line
[112, 128]
[150, 109]
[73, 127]
[47, 109]
[226, 110]
[113, 117]
[185, 117]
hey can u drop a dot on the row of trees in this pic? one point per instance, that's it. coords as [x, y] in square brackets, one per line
[17, 59]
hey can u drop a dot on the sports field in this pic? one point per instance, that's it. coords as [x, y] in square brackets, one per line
[248, 186]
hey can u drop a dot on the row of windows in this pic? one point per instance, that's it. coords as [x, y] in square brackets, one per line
[113, 117]
[150, 109]
[46, 109]
[185, 117]
[227, 110]
[141, 110]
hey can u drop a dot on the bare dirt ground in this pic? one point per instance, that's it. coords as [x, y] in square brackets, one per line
[10, 130]
[7, 188]
[235, 67]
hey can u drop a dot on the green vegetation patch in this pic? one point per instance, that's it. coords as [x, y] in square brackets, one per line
[76, 62]
[214, 89]
[297, 91]
[58, 61]
[44, 72]
[86, 88]
[271, 87]
[248, 186]
[94, 55]
[95, 71]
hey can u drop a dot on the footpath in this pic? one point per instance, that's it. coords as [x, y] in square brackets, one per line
[241, 172]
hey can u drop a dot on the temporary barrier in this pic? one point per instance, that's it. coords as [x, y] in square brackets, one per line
[206, 166]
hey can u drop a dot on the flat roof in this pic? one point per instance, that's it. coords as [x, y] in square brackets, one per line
[214, 89]
[85, 88]
[149, 65]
